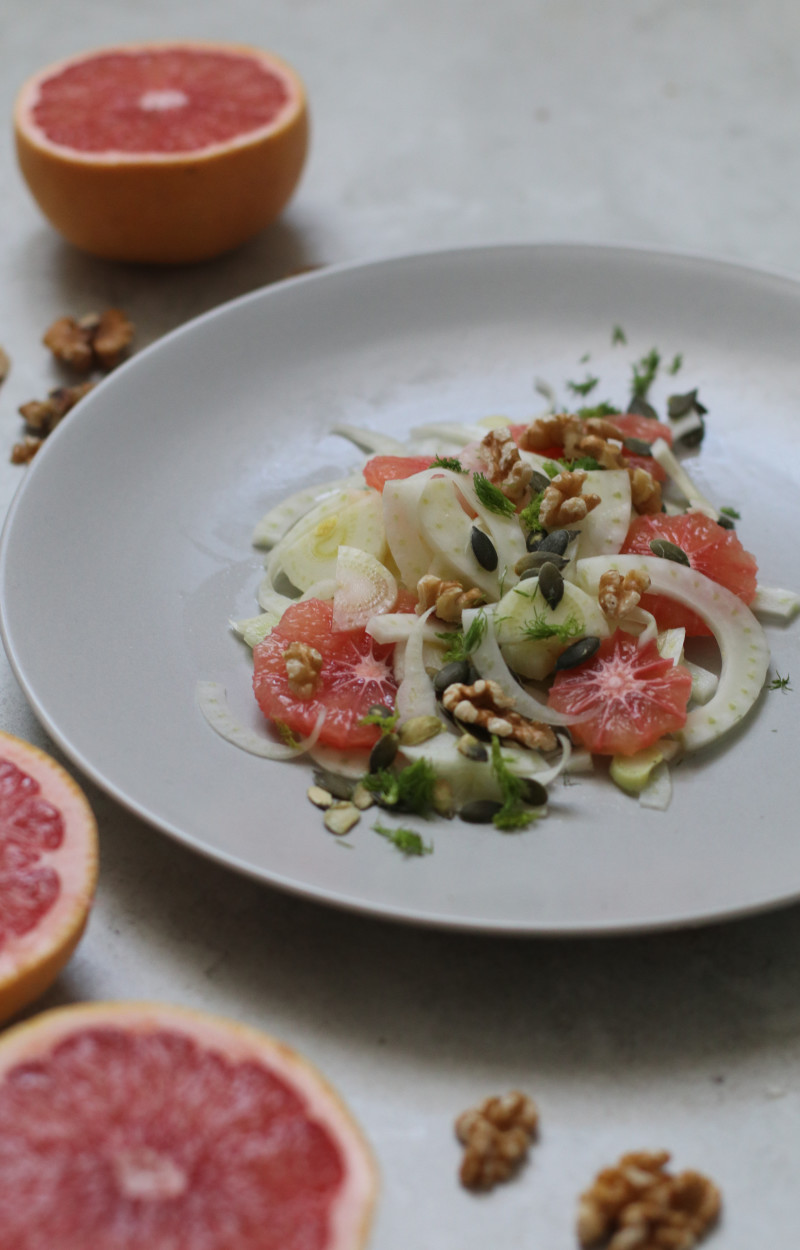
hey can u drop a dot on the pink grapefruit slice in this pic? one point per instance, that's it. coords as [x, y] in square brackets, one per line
[48, 871]
[129, 1125]
[163, 152]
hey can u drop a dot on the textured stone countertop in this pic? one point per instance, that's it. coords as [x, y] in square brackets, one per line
[438, 124]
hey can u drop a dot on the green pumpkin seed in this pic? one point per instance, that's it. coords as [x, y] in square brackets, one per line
[577, 652]
[419, 729]
[383, 753]
[637, 446]
[480, 811]
[669, 551]
[483, 549]
[551, 584]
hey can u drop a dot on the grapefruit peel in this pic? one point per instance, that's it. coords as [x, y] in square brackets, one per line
[37, 1045]
[168, 207]
[31, 961]
[741, 639]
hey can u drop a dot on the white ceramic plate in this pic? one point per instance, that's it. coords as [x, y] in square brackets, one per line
[128, 549]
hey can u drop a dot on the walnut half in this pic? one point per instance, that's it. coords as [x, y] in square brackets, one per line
[496, 1136]
[638, 1205]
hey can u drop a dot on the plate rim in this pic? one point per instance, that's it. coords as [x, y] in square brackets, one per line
[315, 893]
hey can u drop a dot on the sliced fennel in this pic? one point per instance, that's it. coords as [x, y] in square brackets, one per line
[254, 629]
[371, 441]
[603, 530]
[488, 659]
[415, 694]
[523, 618]
[308, 553]
[662, 452]
[275, 523]
[772, 601]
[213, 703]
[741, 640]
[657, 794]
[364, 587]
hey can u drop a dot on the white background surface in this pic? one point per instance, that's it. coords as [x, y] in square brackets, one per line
[442, 124]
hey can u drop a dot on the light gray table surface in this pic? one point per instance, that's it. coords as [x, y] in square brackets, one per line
[437, 124]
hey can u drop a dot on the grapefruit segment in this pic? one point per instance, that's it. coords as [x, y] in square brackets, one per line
[164, 152]
[48, 871]
[128, 1125]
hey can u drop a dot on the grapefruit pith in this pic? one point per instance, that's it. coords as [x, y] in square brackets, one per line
[163, 152]
[48, 871]
[128, 1125]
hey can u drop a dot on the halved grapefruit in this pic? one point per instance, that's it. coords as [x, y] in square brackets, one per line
[48, 871]
[163, 152]
[130, 1125]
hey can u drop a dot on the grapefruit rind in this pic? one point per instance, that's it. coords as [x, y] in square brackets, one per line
[159, 208]
[351, 1215]
[29, 964]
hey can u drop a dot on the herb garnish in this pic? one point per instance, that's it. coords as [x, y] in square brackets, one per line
[460, 645]
[448, 462]
[644, 374]
[732, 513]
[677, 361]
[285, 734]
[539, 628]
[406, 840]
[603, 409]
[386, 721]
[513, 814]
[585, 387]
[529, 516]
[618, 336]
[581, 462]
[780, 683]
[491, 496]
[409, 790]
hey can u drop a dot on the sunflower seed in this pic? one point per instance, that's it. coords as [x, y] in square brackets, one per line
[577, 652]
[669, 551]
[551, 584]
[483, 549]
[341, 817]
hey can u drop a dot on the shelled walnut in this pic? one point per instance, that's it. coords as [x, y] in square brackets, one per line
[563, 503]
[448, 598]
[505, 468]
[638, 1205]
[496, 1136]
[484, 705]
[618, 594]
[303, 667]
[95, 341]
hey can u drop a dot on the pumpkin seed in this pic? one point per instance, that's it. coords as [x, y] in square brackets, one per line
[480, 811]
[669, 551]
[641, 407]
[383, 753]
[638, 446]
[533, 561]
[451, 674]
[340, 787]
[577, 652]
[483, 549]
[557, 541]
[551, 584]
[726, 522]
[419, 729]
[472, 749]
[535, 792]
[539, 481]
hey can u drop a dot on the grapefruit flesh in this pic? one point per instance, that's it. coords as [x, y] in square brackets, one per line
[128, 1125]
[163, 153]
[48, 871]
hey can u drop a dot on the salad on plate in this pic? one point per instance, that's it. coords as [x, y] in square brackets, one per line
[484, 607]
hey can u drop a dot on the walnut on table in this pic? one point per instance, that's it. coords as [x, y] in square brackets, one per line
[638, 1205]
[485, 705]
[496, 1136]
[96, 341]
[505, 468]
[303, 667]
[447, 598]
[5, 364]
[618, 594]
[43, 415]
